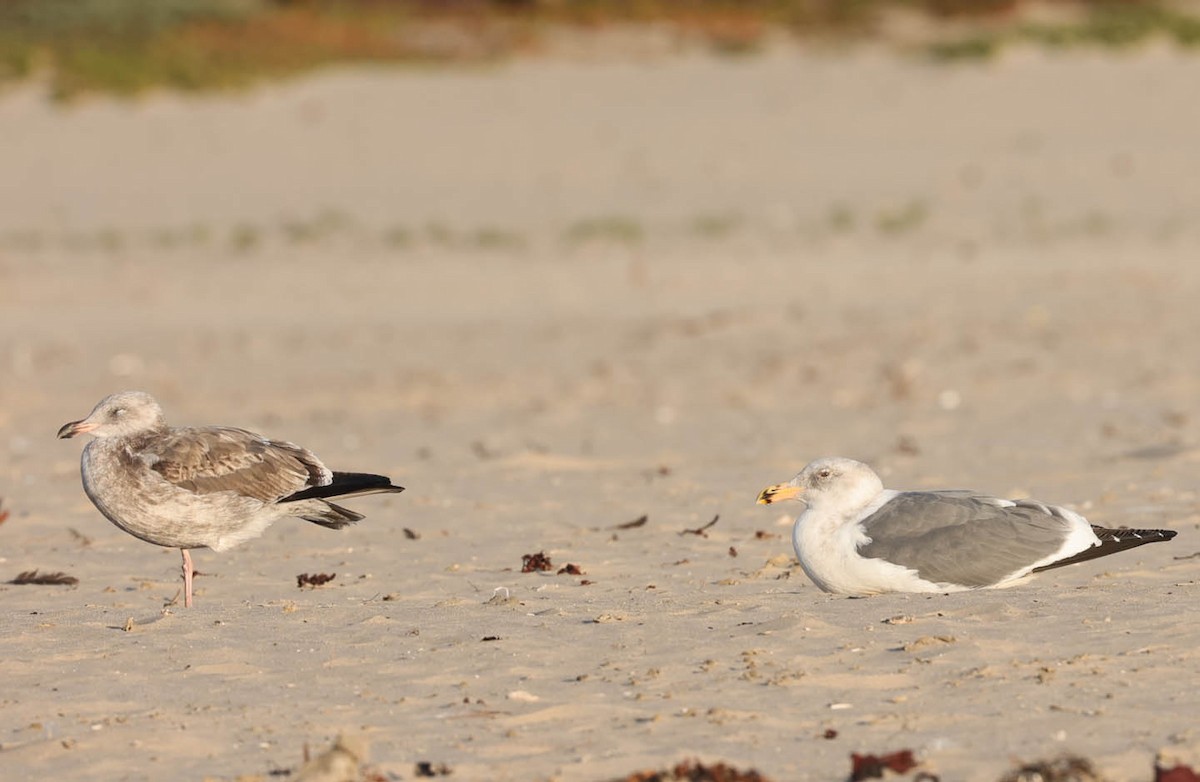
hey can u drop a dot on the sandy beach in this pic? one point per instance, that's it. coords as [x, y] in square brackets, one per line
[552, 297]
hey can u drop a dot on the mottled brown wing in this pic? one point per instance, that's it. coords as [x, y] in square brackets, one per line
[220, 459]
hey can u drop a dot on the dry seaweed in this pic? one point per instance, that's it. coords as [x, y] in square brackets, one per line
[695, 771]
[314, 580]
[535, 562]
[1069, 768]
[1179, 773]
[873, 766]
[424, 768]
[50, 579]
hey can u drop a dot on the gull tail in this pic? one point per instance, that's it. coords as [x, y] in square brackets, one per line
[344, 484]
[332, 516]
[1112, 541]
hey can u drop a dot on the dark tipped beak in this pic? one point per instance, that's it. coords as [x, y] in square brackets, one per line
[73, 428]
[780, 491]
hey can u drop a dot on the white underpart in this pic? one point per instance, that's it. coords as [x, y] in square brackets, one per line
[256, 526]
[176, 518]
[826, 542]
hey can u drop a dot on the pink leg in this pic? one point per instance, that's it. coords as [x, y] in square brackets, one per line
[187, 578]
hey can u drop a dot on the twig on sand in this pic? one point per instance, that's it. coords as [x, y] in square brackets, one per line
[701, 530]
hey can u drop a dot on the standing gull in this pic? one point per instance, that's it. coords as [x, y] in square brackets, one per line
[857, 538]
[213, 486]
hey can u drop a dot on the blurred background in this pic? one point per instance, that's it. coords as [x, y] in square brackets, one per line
[556, 264]
[746, 232]
[565, 223]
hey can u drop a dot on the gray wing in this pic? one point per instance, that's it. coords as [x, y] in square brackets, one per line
[224, 459]
[963, 538]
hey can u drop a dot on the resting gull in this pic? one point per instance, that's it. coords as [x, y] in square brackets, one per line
[857, 538]
[213, 486]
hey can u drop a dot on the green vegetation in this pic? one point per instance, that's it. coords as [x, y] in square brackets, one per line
[330, 229]
[902, 219]
[324, 227]
[128, 46]
[1111, 25]
[321, 226]
[841, 218]
[440, 235]
[716, 226]
[398, 237]
[493, 238]
[244, 238]
[614, 229]
[116, 45]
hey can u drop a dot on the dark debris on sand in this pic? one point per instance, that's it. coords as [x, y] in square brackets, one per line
[314, 580]
[424, 768]
[873, 766]
[701, 531]
[1069, 768]
[695, 771]
[51, 579]
[531, 563]
[1177, 773]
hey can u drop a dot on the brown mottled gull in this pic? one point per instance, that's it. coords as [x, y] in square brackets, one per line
[213, 486]
[857, 538]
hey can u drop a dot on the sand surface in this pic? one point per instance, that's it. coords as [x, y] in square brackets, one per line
[553, 297]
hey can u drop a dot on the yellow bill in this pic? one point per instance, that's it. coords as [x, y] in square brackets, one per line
[778, 493]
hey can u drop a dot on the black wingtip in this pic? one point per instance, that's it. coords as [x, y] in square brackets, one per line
[1133, 537]
[1112, 541]
[347, 484]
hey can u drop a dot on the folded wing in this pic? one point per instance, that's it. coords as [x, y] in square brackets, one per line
[225, 459]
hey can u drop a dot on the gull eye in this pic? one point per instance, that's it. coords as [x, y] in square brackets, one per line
[824, 473]
[117, 412]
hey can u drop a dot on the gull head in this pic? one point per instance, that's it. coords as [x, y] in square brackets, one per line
[834, 481]
[121, 414]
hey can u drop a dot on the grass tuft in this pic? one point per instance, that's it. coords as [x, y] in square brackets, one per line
[614, 229]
